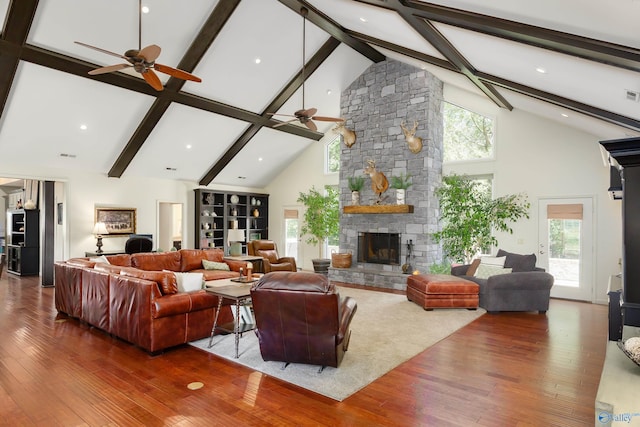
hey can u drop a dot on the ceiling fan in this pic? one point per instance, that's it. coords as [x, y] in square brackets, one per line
[143, 61]
[305, 116]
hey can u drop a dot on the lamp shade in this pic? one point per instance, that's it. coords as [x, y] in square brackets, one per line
[235, 235]
[100, 228]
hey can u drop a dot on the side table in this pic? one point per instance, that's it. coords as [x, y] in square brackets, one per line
[240, 294]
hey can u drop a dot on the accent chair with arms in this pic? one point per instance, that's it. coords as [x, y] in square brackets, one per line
[300, 318]
[271, 261]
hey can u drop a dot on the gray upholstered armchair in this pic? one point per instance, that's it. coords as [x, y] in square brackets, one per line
[527, 288]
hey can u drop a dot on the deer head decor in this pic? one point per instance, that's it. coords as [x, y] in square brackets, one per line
[414, 142]
[379, 182]
[348, 136]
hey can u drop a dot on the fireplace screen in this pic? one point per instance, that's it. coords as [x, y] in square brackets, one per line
[379, 248]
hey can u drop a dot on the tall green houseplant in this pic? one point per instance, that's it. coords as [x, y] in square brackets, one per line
[322, 215]
[469, 217]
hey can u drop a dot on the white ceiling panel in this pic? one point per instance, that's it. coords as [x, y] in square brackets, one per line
[264, 157]
[46, 109]
[376, 22]
[113, 25]
[4, 7]
[187, 140]
[232, 75]
[599, 85]
[566, 117]
[614, 21]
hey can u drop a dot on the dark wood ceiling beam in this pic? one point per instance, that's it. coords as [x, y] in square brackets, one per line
[207, 34]
[291, 87]
[15, 31]
[442, 63]
[334, 29]
[570, 44]
[598, 113]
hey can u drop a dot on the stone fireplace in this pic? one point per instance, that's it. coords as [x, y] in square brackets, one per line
[375, 105]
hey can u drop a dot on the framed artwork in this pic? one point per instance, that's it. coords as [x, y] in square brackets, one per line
[119, 221]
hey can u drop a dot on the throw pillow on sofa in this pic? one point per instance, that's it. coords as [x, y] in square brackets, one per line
[213, 265]
[517, 262]
[188, 282]
[485, 271]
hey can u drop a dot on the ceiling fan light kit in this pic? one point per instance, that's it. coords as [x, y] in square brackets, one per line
[142, 60]
[305, 116]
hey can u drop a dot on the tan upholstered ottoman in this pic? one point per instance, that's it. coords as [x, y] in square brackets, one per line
[431, 291]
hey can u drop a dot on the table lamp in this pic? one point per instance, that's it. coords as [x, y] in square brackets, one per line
[235, 237]
[99, 229]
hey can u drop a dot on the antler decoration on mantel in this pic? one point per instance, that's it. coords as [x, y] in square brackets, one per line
[414, 142]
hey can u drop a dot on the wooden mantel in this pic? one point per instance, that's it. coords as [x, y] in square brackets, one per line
[377, 209]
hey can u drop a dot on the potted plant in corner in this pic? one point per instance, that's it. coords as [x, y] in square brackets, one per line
[321, 220]
[355, 185]
[401, 183]
[470, 216]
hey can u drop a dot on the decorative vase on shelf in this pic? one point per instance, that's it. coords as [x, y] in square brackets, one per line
[355, 197]
[253, 200]
[256, 213]
[29, 204]
[400, 196]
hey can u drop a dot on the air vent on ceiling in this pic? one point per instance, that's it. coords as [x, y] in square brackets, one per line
[632, 95]
[71, 156]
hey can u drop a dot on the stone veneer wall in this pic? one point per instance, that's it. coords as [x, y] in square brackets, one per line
[374, 105]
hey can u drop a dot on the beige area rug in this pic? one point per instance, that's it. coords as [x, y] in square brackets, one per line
[386, 330]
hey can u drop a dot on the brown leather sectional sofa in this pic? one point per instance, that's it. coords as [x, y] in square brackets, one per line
[132, 298]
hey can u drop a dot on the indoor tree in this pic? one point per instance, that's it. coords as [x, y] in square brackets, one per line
[322, 215]
[469, 216]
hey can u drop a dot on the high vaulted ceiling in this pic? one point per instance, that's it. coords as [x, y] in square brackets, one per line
[220, 131]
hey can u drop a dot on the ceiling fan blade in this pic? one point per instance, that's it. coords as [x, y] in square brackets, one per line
[109, 69]
[311, 125]
[285, 123]
[102, 50]
[306, 113]
[278, 114]
[175, 72]
[150, 53]
[327, 119]
[152, 79]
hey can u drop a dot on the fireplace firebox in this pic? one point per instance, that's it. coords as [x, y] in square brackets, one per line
[379, 248]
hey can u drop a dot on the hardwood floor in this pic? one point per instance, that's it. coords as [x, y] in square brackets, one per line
[510, 369]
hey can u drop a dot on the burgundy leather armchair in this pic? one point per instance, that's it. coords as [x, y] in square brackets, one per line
[271, 261]
[300, 318]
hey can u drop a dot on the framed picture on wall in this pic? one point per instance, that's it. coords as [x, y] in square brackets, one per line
[119, 221]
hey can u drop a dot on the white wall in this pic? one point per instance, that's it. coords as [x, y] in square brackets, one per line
[300, 176]
[546, 159]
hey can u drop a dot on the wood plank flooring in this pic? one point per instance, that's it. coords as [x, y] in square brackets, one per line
[510, 369]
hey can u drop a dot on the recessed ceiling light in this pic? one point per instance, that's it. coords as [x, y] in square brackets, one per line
[258, 60]
[363, 19]
[564, 115]
[328, 91]
[541, 70]
[189, 146]
[145, 9]
[259, 159]
[83, 127]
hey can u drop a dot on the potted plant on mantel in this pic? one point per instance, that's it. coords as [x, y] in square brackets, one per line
[321, 220]
[401, 183]
[355, 185]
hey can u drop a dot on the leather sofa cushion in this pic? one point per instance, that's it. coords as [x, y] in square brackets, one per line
[156, 261]
[166, 281]
[108, 268]
[188, 302]
[81, 262]
[191, 259]
[517, 262]
[123, 260]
